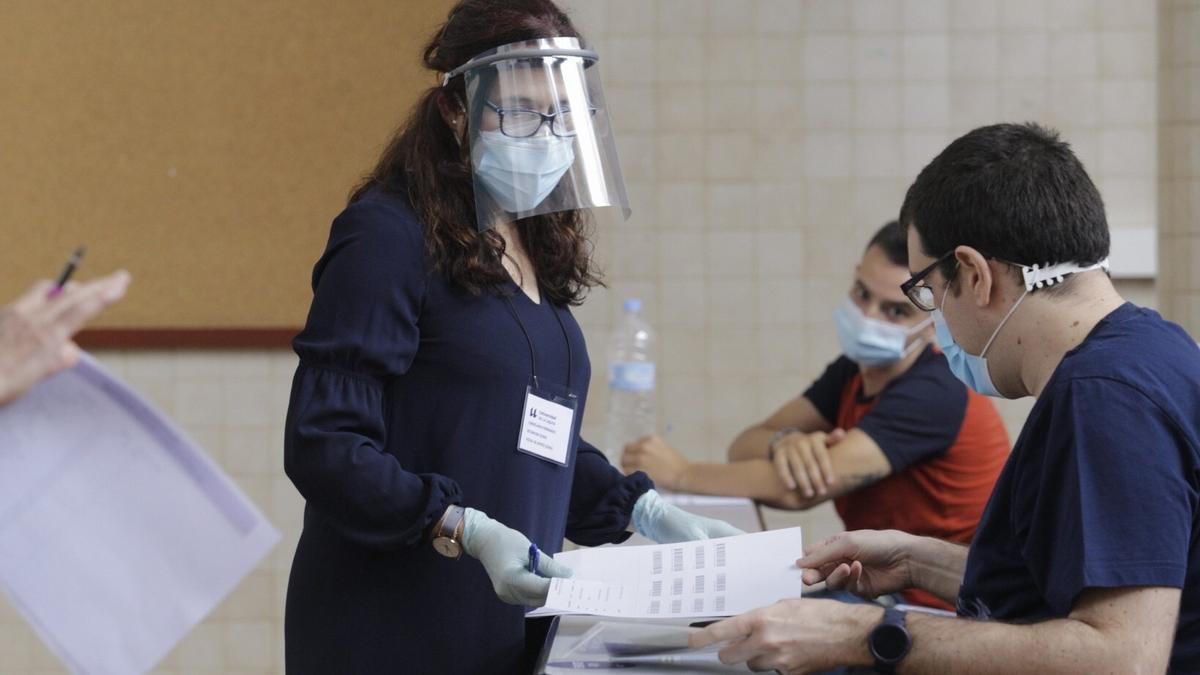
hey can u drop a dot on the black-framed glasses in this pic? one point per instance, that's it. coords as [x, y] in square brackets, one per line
[921, 294]
[522, 123]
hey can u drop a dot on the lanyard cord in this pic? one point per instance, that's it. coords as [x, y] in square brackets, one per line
[529, 340]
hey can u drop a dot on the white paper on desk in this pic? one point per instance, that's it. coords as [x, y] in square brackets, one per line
[713, 577]
[684, 499]
[117, 534]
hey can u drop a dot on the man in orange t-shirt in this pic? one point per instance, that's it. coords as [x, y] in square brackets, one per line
[887, 432]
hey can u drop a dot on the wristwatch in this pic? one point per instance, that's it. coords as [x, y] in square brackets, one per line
[890, 641]
[448, 532]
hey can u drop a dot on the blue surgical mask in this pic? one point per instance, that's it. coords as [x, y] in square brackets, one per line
[970, 369]
[973, 370]
[520, 173]
[872, 343]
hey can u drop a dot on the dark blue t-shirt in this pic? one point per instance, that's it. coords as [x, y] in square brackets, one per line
[1101, 490]
[917, 416]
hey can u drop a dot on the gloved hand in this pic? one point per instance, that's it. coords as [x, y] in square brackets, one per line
[504, 553]
[665, 523]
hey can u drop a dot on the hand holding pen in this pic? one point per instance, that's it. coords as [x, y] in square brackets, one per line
[36, 329]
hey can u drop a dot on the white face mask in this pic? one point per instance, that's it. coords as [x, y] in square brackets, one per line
[520, 173]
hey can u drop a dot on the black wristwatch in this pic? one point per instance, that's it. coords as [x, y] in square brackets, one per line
[890, 641]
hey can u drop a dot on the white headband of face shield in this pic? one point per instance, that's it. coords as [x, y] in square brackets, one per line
[480, 61]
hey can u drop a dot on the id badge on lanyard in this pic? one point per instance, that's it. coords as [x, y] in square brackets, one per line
[548, 423]
[548, 416]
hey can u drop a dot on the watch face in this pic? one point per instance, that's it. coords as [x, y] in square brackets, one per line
[889, 643]
[447, 547]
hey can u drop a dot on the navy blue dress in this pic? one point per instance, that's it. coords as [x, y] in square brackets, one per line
[408, 398]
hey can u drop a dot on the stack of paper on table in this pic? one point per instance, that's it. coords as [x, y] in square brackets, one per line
[645, 647]
[713, 577]
[117, 534]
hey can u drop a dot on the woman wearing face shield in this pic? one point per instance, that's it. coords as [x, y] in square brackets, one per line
[442, 377]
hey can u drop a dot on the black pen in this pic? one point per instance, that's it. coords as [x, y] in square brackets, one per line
[72, 264]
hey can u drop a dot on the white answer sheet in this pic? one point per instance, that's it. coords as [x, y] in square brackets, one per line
[713, 577]
[117, 534]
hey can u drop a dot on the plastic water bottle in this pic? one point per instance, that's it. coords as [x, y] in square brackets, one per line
[631, 379]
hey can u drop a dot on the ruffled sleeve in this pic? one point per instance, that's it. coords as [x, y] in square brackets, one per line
[602, 499]
[362, 331]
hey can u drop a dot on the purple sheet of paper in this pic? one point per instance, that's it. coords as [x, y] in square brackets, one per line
[117, 533]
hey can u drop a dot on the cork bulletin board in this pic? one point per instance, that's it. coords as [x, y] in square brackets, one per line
[204, 146]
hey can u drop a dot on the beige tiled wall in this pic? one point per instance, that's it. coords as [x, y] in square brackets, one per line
[763, 141]
[1179, 164]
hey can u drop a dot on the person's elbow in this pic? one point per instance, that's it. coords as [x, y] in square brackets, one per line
[792, 500]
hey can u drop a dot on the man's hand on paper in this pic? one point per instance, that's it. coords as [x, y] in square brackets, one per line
[867, 563]
[795, 636]
[664, 464]
[504, 553]
[665, 523]
[36, 330]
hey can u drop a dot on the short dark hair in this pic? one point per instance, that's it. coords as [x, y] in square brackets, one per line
[892, 239]
[1012, 191]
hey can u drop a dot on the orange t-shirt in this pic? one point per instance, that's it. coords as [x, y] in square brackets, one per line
[946, 445]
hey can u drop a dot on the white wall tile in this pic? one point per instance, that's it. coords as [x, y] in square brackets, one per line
[975, 14]
[877, 106]
[1024, 55]
[926, 56]
[827, 57]
[681, 17]
[1074, 55]
[974, 57]
[926, 15]
[875, 15]
[825, 16]
[827, 105]
[827, 155]
[876, 57]
[1125, 54]
[776, 16]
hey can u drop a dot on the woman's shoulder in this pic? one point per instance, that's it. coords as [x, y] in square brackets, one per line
[378, 225]
[380, 215]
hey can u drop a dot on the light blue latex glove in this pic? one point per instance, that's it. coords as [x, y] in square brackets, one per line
[665, 523]
[504, 553]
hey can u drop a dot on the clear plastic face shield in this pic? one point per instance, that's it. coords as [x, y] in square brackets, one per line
[539, 132]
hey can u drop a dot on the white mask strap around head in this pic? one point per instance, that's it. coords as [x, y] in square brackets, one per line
[1043, 276]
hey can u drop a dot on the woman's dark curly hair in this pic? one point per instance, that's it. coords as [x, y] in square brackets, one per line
[427, 163]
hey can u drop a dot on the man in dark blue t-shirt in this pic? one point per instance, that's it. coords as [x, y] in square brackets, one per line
[1086, 558]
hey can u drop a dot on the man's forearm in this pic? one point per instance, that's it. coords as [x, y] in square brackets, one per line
[946, 645]
[937, 566]
[750, 444]
[756, 479]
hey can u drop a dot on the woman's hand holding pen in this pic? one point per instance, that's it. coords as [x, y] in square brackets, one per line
[520, 575]
[36, 329]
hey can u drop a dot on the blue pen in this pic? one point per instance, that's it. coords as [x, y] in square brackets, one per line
[534, 558]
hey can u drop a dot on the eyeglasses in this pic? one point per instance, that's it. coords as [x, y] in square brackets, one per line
[921, 294]
[522, 123]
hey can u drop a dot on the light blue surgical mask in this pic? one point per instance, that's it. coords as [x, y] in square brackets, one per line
[872, 343]
[970, 369]
[520, 173]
